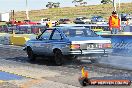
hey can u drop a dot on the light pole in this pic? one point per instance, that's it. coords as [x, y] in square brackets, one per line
[115, 9]
[119, 1]
[114, 5]
[27, 14]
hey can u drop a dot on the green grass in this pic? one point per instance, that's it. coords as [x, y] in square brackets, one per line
[73, 12]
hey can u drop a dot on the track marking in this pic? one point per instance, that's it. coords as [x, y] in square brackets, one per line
[16, 74]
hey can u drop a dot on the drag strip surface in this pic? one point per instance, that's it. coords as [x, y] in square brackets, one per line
[13, 58]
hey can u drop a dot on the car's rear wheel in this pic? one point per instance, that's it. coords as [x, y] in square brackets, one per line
[58, 57]
[30, 54]
[96, 60]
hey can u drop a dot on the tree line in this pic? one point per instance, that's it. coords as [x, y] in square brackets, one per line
[76, 2]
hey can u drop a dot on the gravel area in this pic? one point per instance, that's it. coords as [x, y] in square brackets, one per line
[8, 85]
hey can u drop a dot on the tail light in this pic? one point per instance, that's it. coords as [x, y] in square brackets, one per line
[100, 45]
[75, 46]
[108, 45]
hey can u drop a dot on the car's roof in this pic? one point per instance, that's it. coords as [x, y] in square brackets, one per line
[76, 25]
[71, 28]
[65, 28]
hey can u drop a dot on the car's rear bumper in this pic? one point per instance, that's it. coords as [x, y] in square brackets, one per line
[95, 52]
[90, 54]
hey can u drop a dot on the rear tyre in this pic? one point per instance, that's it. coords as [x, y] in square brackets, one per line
[58, 57]
[96, 60]
[31, 55]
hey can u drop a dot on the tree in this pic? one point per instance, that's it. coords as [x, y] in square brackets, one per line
[78, 1]
[52, 5]
[49, 5]
[81, 2]
[56, 5]
[106, 1]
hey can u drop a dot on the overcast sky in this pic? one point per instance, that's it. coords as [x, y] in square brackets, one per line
[7, 5]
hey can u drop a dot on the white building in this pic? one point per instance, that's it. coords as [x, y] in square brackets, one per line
[4, 17]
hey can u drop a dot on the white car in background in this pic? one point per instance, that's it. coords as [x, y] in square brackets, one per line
[44, 21]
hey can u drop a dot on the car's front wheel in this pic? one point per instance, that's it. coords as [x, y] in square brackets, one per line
[31, 55]
[58, 57]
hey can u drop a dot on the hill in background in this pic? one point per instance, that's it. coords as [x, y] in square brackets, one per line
[73, 12]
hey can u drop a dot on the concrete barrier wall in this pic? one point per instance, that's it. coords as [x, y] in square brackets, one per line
[4, 38]
[121, 44]
[20, 39]
[17, 39]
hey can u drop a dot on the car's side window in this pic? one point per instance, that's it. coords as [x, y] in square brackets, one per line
[56, 35]
[46, 35]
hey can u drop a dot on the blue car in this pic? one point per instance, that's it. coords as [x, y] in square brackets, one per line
[64, 42]
[97, 19]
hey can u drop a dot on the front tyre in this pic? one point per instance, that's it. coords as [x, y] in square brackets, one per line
[31, 55]
[58, 57]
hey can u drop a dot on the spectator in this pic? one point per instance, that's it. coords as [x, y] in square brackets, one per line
[114, 23]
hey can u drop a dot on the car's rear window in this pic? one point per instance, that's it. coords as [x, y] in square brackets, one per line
[79, 32]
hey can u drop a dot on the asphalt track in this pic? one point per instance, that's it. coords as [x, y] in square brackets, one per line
[14, 60]
[118, 61]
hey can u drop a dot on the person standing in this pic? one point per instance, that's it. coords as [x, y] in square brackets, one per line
[114, 23]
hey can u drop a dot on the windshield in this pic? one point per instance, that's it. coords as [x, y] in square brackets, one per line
[79, 33]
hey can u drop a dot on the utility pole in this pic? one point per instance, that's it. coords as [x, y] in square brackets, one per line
[27, 14]
[114, 5]
[119, 4]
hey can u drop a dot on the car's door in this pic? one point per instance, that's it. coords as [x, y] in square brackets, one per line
[43, 42]
[56, 40]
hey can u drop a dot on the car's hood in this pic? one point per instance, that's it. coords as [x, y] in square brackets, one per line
[82, 40]
[100, 19]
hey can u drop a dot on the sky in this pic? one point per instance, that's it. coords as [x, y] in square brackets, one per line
[20, 5]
